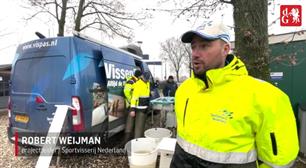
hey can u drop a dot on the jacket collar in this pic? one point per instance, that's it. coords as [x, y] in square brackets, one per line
[235, 68]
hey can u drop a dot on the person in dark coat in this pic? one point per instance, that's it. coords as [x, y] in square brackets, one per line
[170, 87]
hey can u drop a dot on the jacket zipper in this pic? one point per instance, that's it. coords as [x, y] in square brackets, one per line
[185, 111]
[273, 141]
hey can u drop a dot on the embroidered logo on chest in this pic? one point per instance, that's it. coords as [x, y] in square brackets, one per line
[222, 115]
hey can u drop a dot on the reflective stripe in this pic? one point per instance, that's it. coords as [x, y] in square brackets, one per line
[142, 107]
[217, 157]
[275, 166]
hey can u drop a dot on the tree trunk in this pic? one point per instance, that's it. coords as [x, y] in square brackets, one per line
[251, 35]
[79, 16]
[177, 75]
[61, 22]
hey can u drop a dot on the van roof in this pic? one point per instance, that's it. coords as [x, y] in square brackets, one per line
[83, 36]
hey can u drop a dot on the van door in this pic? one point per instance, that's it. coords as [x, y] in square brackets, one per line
[118, 66]
[99, 95]
[38, 85]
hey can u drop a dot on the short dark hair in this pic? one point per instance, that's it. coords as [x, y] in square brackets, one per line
[170, 77]
[137, 73]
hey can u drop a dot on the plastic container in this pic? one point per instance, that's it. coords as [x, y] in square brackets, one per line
[142, 153]
[166, 149]
[158, 134]
[170, 119]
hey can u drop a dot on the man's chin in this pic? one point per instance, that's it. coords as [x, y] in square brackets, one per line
[199, 74]
[198, 71]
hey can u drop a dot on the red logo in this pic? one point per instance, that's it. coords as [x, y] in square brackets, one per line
[291, 15]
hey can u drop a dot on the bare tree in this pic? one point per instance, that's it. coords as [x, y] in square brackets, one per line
[251, 32]
[174, 51]
[108, 16]
[188, 57]
[53, 8]
[4, 31]
[79, 16]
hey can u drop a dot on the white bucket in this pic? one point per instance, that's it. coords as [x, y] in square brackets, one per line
[142, 153]
[158, 134]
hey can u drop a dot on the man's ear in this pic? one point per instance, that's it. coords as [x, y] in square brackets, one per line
[226, 48]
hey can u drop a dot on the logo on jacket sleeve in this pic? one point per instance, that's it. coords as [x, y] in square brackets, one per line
[222, 116]
[291, 15]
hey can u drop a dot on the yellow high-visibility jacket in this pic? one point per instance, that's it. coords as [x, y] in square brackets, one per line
[141, 95]
[236, 118]
[128, 88]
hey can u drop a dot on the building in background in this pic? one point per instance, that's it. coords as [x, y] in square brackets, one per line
[5, 73]
[288, 65]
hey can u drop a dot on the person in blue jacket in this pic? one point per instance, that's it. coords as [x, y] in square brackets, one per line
[170, 87]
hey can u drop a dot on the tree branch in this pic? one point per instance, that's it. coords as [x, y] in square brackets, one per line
[56, 10]
[89, 24]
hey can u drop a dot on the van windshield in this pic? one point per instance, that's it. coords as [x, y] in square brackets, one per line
[41, 75]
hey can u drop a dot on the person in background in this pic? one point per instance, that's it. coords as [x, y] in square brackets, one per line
[128, 91]
[226, 118]
[170, 87]
[128, 87]
[140, 102]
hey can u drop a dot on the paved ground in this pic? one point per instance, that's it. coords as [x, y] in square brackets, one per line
[8, 160]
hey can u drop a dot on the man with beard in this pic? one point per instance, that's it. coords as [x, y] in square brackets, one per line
[226, 118]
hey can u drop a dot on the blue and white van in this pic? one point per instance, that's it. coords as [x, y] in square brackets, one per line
[75, 71]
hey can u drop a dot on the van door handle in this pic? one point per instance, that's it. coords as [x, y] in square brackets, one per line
[72, 80]
[41, 107]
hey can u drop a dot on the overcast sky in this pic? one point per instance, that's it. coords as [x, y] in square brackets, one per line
[156, 30]
[14, 30]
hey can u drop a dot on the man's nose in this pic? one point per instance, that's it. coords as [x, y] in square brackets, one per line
[195, 53]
